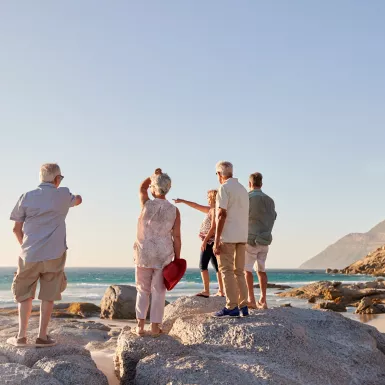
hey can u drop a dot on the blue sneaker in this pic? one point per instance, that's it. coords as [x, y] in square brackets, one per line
[244, 311]
[227, 313]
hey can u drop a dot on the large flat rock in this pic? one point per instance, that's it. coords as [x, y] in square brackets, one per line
[283, 346]
[29, 356]
[69, 370]
[15, 374]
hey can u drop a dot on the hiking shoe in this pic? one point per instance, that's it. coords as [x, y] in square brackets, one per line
[244, 311]
[227, 313]
[45, 343]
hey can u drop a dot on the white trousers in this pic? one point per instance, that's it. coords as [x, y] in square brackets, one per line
[150, 281]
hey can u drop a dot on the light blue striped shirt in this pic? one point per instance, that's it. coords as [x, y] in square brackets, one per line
[43, 212]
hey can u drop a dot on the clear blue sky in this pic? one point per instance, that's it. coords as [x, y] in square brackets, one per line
[110, 91]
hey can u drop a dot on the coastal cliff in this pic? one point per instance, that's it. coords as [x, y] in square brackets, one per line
[372, 264]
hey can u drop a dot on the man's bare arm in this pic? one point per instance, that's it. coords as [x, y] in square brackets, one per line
[176, 235]
[18, 231]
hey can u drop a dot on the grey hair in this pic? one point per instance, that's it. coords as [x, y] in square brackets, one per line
[48, 172]
[225, 168]
[161, 184]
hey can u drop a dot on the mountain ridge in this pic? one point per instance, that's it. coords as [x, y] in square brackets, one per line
[348, 249]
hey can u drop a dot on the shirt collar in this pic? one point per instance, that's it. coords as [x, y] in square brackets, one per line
[256, 191]
[45, 184]
[231, 180]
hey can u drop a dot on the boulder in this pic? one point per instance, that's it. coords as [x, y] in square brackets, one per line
[84, 309]
[328, 271]
[338, 307]
[372, 264]
[16, 374]
[367, 306]
[119, 302]
[324, 347]
[346, 294]
[70, 370]
[80, 333]
[29, 357]
[274, 286]
[312, 299]
[191, 306]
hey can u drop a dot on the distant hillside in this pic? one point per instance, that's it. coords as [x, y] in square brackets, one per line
[348, 249]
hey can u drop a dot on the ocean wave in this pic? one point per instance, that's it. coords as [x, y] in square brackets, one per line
[83, 296]
[91, 285]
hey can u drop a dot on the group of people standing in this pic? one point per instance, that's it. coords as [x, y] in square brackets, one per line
[235, 234]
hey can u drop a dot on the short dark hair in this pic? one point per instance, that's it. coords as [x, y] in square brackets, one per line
[256, 179]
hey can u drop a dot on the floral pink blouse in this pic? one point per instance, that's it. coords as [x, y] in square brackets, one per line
[154, 246]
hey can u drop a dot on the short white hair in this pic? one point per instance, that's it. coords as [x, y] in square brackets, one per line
[161, 184]
[225, 168]
[48, 172]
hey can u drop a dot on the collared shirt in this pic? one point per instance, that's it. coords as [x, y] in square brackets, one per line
[262, 216]
[43, 212]
[233, 197]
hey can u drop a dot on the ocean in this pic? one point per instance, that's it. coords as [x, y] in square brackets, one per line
[89, 284]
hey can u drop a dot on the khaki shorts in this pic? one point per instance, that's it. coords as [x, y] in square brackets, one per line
[53, 280]
[256, 257]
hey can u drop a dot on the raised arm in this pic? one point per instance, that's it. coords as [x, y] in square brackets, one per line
[144, 186]
[78, 200]
[176, 235]
[196, 206]
[143, 191]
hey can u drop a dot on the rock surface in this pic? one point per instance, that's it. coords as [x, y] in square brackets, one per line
[68, 370]
[119, 302]
[282, 346]
[367, 306]
[67, 363]
[338, 307]
[15, 374]
[342, 294]
[84, 309]
[274, 286]
[348, 249]
[190, 306]
[372, 264]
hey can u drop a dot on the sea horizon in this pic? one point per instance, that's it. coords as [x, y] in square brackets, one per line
[88, 284]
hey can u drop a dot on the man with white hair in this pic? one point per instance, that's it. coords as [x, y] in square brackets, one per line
[39, 217]
[230, 240]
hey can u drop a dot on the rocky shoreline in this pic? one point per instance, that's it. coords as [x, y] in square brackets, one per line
[284, 345]
[367, 298]
[373, 264]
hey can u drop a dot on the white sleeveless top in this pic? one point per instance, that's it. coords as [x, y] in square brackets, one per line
[154, 246]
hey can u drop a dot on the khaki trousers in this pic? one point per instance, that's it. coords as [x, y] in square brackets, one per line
[231, 263]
